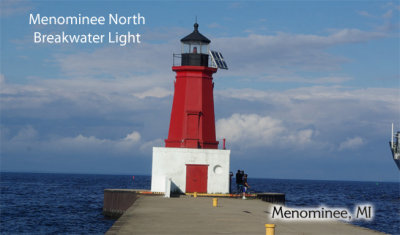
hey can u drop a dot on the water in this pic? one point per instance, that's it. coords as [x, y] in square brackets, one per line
[58, 203]
[384, 196]
[72, 203]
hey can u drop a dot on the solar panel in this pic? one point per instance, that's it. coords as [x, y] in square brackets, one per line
[218, 60]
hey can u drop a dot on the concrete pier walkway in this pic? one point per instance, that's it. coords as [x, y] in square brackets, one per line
[188, 215]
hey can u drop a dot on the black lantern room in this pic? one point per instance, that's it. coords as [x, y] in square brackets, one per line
[195, 48]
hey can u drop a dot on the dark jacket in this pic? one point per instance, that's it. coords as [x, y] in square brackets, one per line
[239, 178]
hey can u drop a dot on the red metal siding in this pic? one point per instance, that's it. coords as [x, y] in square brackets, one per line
[192, 123]
[196, 178]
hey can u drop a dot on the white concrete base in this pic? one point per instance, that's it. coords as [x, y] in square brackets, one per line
[171, 163]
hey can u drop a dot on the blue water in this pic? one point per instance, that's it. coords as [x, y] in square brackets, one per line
[72, 203]
[384, 196]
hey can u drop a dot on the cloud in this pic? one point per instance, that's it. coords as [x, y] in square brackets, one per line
[86, 95]
[365, 13]
[29, 139]
[387, 21]
[147, 147]
[79, 142]
[114, 62]
[87, 122]
[2, 79]
[93, 143]
[131, 143]
[133, 137]
[298, 116]
[301, 137]
[157, 92]
[27, 133]
[253, 55]
[235, 5]
[107, 108]
[316, 93]
[14, 7]
[309, 80]
[388, 14]
[256, 54]
[214, 25]
[250, 130]
[351, 143]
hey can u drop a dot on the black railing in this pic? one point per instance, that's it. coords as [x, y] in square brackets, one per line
[176, 59]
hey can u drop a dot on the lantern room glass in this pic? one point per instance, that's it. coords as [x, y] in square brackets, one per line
[194, 48]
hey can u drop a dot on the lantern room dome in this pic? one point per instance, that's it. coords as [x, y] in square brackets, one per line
[196, 36]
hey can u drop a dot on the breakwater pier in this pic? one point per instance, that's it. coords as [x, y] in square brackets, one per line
[190, 215]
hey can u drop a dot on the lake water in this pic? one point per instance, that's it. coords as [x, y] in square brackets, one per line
[72, 203]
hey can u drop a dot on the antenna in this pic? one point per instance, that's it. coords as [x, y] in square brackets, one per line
[392, 137]
[196, 19]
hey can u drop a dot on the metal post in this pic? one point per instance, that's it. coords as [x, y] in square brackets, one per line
[270, 229]
[215, 202]
[230, 182]
[392, 137]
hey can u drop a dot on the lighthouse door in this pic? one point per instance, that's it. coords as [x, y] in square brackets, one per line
[196, 178]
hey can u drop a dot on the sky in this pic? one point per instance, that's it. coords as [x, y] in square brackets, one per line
[311, 91]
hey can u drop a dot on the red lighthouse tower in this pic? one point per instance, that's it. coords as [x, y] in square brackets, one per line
[191, 161]
[192, 122]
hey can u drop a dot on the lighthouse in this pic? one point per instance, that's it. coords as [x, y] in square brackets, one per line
[192, 122]
[191, 161]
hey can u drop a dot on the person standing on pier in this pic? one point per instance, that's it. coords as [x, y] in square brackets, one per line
[239, 181]
[245, 186]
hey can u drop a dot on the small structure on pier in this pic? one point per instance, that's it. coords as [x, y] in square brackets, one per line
[191, 160]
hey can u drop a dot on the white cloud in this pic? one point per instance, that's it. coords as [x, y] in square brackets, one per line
[157, 92]
[130, 142]
[28, 138]
[251, 130]
[87, 95]
[256, 54]
[351, 143]
[302, 114]
[14, 7]
[214, 25]
[388, 14]
[114, 62]
[93, 144]
[365, 13]
[80, 141]
[389, 96]
[147, 147]
[306, 110]
[27, 133]
[311, 80]
[134, 137]
[301, 137]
